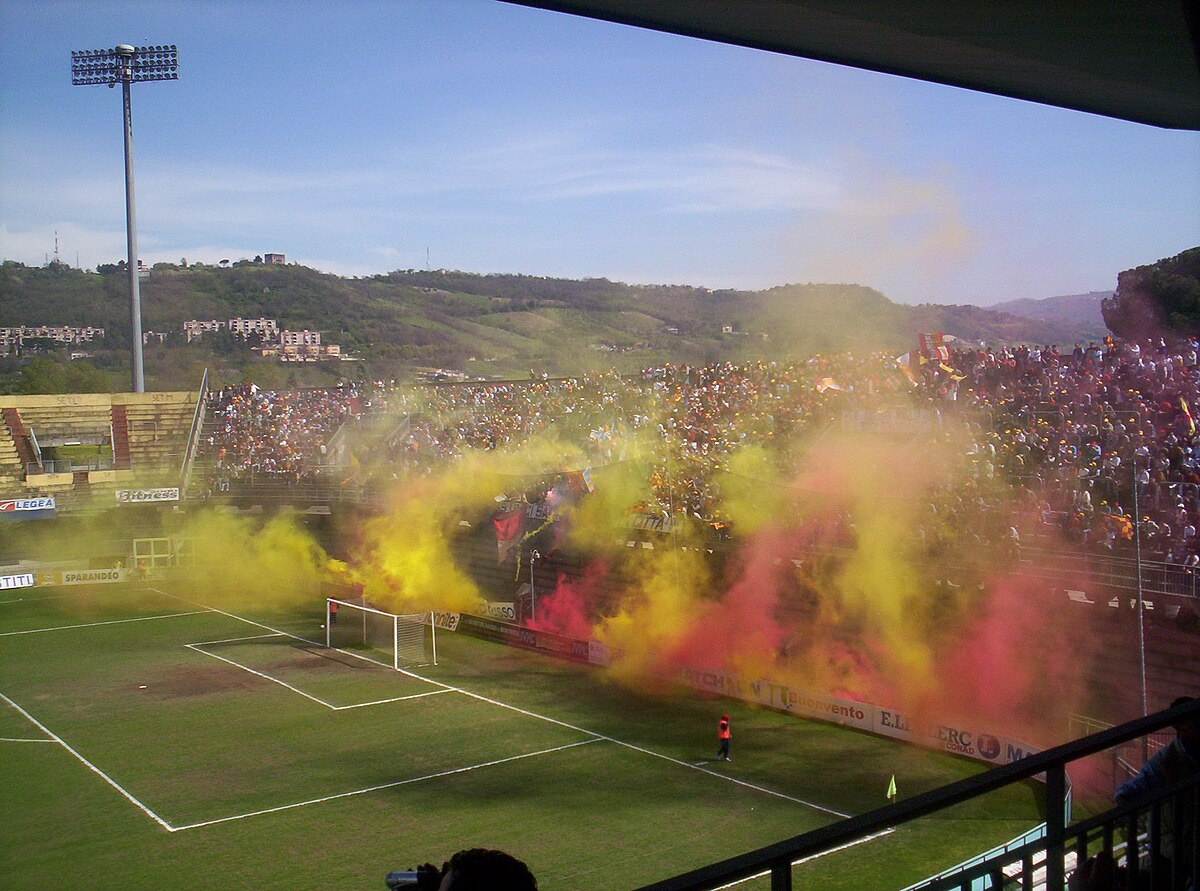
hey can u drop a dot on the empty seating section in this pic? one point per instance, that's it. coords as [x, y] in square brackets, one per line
[157, 425]
[139, 439]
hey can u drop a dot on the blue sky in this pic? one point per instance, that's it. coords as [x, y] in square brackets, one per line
[355, 137]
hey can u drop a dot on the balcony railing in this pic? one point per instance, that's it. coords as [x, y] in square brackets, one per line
[1154, 840]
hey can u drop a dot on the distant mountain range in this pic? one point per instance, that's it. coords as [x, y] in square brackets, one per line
[500, 325]
[1082, 310]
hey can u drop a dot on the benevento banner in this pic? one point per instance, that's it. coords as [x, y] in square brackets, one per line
[23, 580]
[147, 496]
[27, 508]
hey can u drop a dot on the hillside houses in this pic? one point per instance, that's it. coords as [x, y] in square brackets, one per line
[287, 345]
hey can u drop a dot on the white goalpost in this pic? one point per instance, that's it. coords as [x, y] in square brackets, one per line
[406, 640]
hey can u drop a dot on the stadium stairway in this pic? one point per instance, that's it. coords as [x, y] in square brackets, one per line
[120, 436]
[15, 430]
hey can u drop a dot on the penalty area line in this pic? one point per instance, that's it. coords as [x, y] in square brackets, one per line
[4, 739]
[90, 766]
[535, 715]
[97, 624]
[264, 676]
[342, 708]
[432, 776]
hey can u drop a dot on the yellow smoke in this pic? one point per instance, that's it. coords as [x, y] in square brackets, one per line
[245, 561]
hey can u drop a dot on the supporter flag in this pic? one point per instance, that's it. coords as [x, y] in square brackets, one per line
[828, 383]
[1188, 414]
[891, 793]
[904, 363]
[932, 346]
[953, 372]
[509, 526]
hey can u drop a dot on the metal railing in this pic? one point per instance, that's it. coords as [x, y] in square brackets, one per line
[193, 440]
[1042, 860]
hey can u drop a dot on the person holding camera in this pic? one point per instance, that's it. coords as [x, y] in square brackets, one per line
[475, 869]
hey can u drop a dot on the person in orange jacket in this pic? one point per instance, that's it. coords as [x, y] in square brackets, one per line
[724, 734]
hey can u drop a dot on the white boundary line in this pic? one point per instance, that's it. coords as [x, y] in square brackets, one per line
[432, 776]
[96, 624]
[530, 714]
[90, 766]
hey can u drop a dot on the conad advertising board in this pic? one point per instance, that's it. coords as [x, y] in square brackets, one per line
[977, 743]
[26, 508]
[147, 496]
[20, 580]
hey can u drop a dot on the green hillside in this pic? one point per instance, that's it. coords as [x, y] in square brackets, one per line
[485, 325]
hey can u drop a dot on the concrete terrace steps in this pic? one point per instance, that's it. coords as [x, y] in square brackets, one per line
[148, 432]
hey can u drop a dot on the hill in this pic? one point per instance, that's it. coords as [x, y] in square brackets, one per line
[1082, 310]
[485, 325]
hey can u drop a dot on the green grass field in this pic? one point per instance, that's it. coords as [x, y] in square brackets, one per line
[148, 742]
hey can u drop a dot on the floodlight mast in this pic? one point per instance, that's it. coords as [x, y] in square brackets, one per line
[126, 64]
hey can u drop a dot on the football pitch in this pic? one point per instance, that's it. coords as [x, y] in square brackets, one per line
[148, 741]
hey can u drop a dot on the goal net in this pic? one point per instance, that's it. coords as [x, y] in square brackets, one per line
[403, 640]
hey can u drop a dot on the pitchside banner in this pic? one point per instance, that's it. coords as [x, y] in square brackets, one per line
[21, 580]
[27, 508]
[971, 742]
[55, 577]
[525, 638]
[147, 496]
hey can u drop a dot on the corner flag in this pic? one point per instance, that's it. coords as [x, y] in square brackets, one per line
[891, 793]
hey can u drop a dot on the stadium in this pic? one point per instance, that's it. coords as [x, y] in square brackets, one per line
[923, 619]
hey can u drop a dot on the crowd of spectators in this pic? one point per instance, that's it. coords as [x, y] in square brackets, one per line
[1062, 442]
[279, 434]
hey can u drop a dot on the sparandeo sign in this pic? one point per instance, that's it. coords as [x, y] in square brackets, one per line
[92, 576]
[147, 496]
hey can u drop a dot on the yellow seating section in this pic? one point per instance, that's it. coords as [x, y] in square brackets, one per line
[158, 425]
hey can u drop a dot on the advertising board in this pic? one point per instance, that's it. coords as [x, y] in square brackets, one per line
[147, 496]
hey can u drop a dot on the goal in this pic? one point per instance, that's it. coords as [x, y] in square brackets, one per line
[405, 640]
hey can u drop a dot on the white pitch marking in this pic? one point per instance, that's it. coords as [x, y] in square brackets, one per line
[432, 776]
[850, 844]
[90, 766]
[205, 643]
[530, 714]
[11, 739]
[263, 676]
[96, 624]
[342, 708]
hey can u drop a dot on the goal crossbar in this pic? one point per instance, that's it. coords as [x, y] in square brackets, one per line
[409, 639]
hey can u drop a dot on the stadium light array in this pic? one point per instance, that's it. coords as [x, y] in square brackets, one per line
[125, 65]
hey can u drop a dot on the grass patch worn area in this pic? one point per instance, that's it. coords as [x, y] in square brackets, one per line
[596, 786]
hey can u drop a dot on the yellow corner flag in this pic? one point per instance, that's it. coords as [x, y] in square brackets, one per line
[892, 789]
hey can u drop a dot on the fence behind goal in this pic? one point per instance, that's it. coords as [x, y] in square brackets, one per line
[401, 640]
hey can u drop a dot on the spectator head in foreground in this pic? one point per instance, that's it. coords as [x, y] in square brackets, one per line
[479, 869]
[1187, 731]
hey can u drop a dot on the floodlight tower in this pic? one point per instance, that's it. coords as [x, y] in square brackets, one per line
[126, 64]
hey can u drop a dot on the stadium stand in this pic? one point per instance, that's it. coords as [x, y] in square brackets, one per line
[80, 448]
